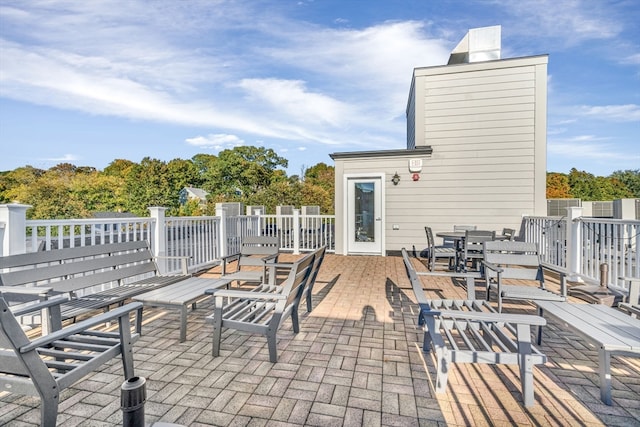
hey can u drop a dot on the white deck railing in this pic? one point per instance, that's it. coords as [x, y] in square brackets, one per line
[203, 240]
[581, 244]
[577, 244]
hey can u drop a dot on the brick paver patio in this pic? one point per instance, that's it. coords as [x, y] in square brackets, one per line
[357, 361]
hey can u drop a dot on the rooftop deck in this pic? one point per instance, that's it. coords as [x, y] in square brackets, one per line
[356, 361]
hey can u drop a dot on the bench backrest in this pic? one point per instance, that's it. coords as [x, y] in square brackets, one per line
[519, 260]
[294, 284]
[71, 269]
[416, 283]
[255, 247]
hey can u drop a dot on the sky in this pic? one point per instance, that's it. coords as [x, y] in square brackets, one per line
[88, 82]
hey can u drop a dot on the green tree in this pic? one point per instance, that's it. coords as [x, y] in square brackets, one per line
[245, 170]
[147, 185]
[13, 183]
[631, 179]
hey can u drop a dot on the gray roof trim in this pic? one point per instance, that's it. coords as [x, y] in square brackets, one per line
[382, 153]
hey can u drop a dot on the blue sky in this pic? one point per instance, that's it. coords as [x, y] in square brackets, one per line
[87, 82]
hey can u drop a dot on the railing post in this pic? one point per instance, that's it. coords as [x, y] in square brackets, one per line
[296, 231]
[223, 241]
[574, 243]
[158, 244]
[14, 217]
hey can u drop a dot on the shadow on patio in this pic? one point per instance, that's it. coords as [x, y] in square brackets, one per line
[357, 360]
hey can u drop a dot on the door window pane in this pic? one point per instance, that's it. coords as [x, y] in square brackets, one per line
[364, 212]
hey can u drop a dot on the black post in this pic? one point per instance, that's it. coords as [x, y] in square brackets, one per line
[132, 398]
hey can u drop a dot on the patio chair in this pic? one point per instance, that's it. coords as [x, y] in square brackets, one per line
[509, 233]
[47, 365]
[632, 304]
[451, 243]
[256, 252]
[519, 261]
[472, 247]
[432, 252]
[261, 312]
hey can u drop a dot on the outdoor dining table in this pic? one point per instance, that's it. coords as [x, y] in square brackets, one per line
[458, 239]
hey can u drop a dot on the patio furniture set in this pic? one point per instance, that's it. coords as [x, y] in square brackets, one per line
[472, 331]
[69, 283]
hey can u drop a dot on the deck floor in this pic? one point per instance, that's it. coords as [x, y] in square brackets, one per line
[356, 361]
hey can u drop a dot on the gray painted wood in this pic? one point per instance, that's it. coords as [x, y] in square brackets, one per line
[255, 251]
[26, 367]
[471, 331]
[93, 277]
[504, 260]
[179, 296]
[611, 331]
[262, 311]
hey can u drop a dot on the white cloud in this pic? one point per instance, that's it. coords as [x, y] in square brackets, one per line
[292, 98]
[67, 158]
[215, 141]
[571, 21]
[616, 113]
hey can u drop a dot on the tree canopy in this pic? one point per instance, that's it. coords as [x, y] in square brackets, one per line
[583, 185]
[251, 175]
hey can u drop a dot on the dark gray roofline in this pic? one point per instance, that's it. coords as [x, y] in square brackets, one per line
[381, 153]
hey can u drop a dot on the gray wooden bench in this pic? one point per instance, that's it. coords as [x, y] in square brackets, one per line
[48, 365]
[261, 310]
[179, 296]
[611, 331]
[93, 277]
[471, 331]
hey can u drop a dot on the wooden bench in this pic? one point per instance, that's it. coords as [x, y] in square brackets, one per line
[93, 277]
[471, 331]
[610, 330]
[262, 310]
[179, 296]
[256, 252]
[47, 365]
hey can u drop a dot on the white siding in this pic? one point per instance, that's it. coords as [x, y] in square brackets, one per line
[486, 124]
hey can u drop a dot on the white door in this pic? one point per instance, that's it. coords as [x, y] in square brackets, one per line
[364, 215]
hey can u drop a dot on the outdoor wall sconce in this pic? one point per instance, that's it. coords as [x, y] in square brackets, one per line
[395, 179]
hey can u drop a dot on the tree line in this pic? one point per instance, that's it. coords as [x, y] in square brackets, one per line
[247, 174]
[583, 185]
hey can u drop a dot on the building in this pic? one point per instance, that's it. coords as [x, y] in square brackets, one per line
[476, 153]
[191, 193]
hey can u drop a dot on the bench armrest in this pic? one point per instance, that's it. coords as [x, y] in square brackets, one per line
[233, 293]
[83, 326]
[39, 306]
[528, 319]
[184, 262]
[26, 290]
[561, 272]
[493, 267]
